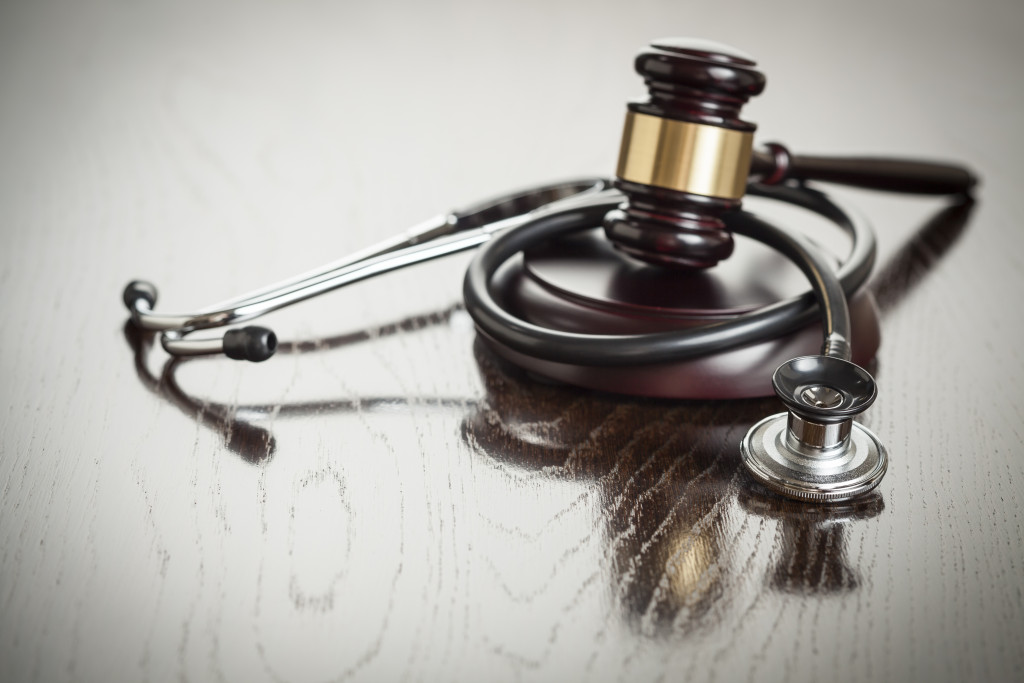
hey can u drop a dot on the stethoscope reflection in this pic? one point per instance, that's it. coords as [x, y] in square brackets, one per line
[249, 441]
[811, 542]
[239, 424]
[666, 474]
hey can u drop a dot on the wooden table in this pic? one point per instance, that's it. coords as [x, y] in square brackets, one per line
[386, 501]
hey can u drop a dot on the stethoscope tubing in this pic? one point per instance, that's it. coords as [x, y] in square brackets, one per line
[829, 290]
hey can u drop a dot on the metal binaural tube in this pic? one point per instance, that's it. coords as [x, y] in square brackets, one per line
[449, 234]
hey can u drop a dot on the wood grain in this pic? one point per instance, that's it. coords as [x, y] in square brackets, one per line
[385, 500]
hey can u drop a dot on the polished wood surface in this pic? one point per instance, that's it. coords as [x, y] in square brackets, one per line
[385, 500]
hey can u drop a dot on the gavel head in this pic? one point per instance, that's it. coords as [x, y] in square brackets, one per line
[685, 153]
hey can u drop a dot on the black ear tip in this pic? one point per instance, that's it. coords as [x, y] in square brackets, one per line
[262, 343]
[252, 343]
[139, 290]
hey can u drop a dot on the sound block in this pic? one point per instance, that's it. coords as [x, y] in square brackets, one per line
[581, 283]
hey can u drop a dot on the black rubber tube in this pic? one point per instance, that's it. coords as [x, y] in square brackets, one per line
[829, 289]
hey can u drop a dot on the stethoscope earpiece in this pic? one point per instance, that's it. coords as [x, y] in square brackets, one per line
[252, 343]
[816, 451]
[139, 295]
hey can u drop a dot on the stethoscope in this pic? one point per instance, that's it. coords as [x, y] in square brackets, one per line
[815, 451]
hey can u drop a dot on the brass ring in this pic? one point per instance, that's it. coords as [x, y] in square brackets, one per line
[683, 156]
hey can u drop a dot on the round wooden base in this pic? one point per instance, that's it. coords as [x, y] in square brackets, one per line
[582, 284]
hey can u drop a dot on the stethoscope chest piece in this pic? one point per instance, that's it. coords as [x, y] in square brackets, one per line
[816, 452]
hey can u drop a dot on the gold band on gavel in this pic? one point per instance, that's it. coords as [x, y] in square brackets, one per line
[683, 156]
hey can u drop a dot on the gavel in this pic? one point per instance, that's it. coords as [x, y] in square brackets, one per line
[687, 156]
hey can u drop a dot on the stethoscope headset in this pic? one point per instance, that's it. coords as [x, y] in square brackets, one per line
[685, 163]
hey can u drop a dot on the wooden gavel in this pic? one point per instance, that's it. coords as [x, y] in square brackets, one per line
[687, 156]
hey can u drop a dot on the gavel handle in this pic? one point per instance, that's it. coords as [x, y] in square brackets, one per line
[776, 165]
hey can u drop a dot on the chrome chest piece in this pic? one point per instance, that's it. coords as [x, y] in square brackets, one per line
[816, 452]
